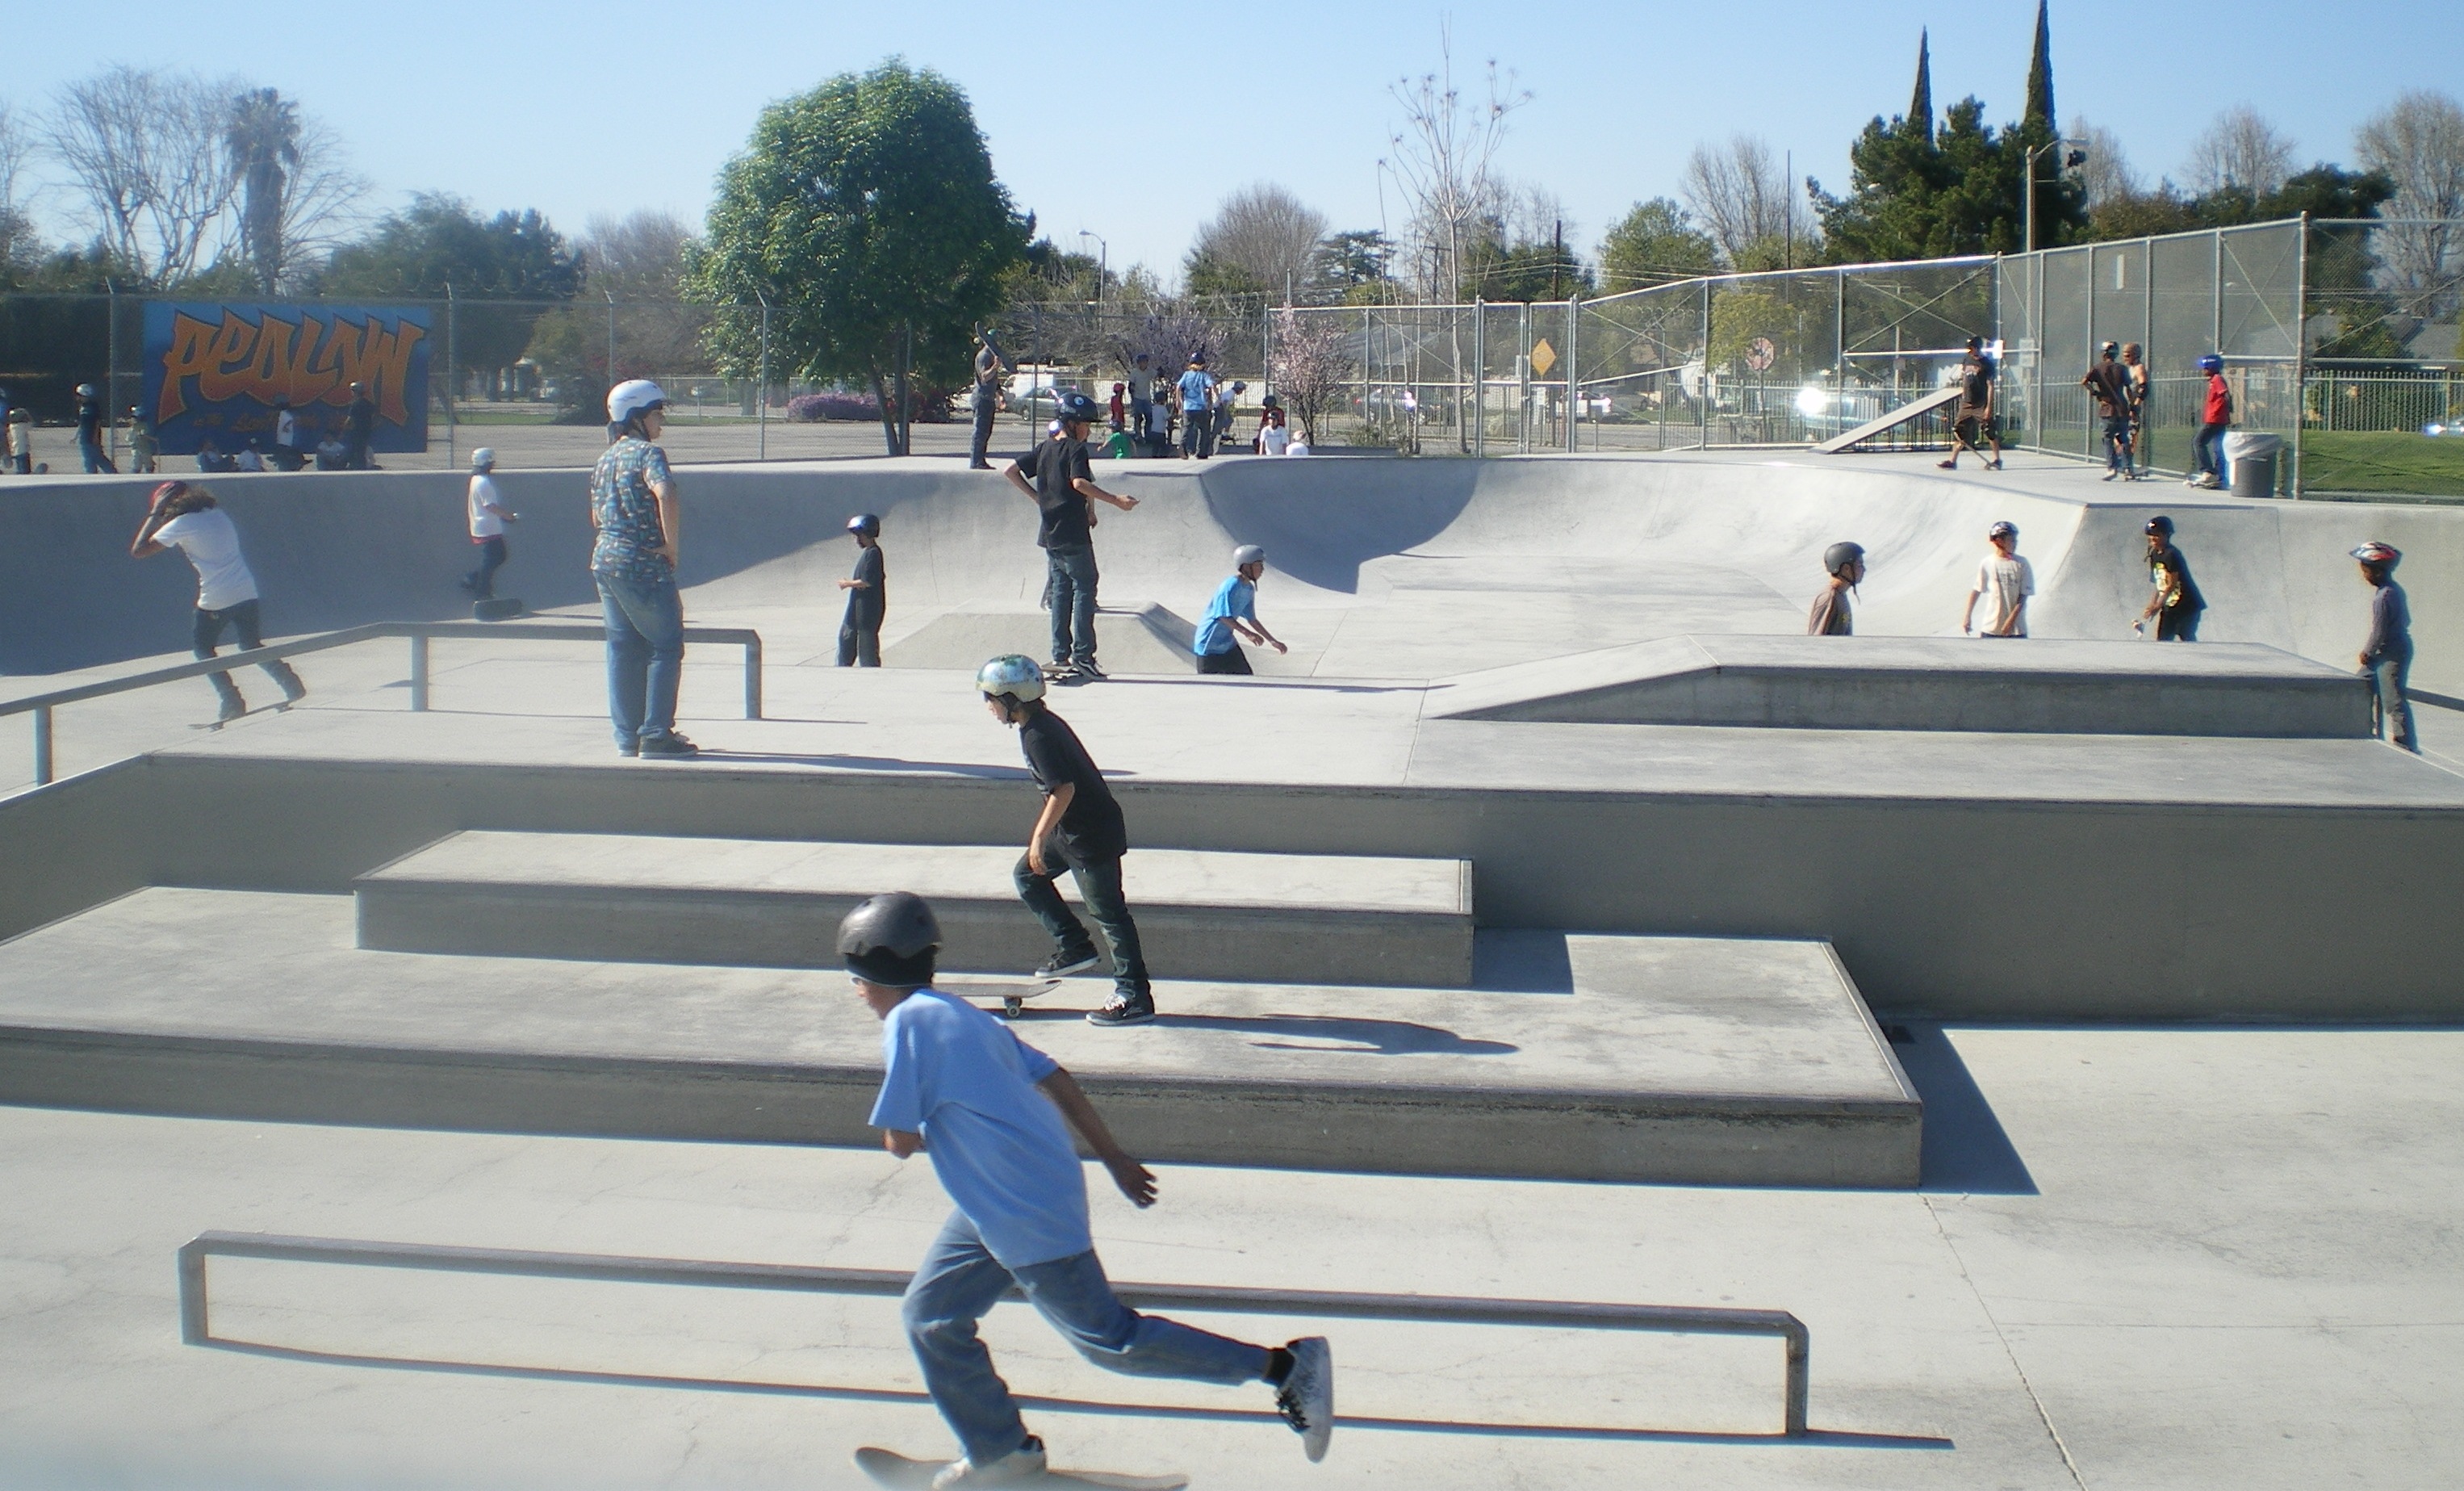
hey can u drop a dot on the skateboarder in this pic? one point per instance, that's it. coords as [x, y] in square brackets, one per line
[1197, 410]
[1233, 614]
[2215, 417]
[2177, 604]
[868, 597]
[987, 400]
[2006, 577]
[489, 516]
[2386, 656]
[185, 518]
[2142, 393]
[1079, 829]
[1831, 616]
[1063, 488]
[2108, 383]
[637, 512]
[1974, 426]
[990, 1110]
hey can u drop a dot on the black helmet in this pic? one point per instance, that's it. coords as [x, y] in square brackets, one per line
[1077, 408]
[867, 524]
[2160, 525]
[890, 940]
[1840, 555]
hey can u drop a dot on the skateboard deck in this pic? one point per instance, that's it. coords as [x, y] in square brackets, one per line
[889, 1468]
[496, 608]
[217, 724]
[1012, 993]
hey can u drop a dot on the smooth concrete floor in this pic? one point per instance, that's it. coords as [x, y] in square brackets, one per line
[2143, 1260]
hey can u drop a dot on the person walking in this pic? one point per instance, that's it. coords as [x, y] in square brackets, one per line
[1831, 616]
[186, 517]
[995, 1114]
[2387, 655]
[1232, 616]
[2108, 383]
[1064, 489]
[2143, 404]
[90, 430]
[2008, 579]
[1224, 407]
[358, 427]
[636, 510]
[2176, 605]
[1078, 829]
[488, 515]
[1197, 390]
[986, 399]
[287, 452]
[868, 597]
[145, 451]
[2215, 417]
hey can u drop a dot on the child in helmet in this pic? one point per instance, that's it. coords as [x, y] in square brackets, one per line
[2215, 417]
[2008, 579]
[1064, 489]
[2177, 604]
[1831, 616]
[868, 597]
[2386, 656]
[2108, 383]
[489, 516]
[1080, 830]
[1233, 614]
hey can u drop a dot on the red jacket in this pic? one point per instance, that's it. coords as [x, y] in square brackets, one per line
[2220, 408]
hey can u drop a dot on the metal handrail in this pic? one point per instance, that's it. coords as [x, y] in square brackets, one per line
[196, 1328]
[420, 632]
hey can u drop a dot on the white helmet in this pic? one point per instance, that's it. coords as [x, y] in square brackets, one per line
[632, 398]
[483, 459]
[1011, 676]
[1248, 554]
[85, 390]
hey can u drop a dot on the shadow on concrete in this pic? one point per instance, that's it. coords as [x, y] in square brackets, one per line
[1518, 962]
[1365, 1037]
[1819, 1439]
[875, 764]
[1966, 1151]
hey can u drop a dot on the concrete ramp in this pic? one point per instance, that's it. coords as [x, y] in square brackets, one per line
[1925, 683]
[1144, 639]
[1939, 398]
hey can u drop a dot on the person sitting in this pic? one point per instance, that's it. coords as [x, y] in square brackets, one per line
[1274, 438]
[249, 459]
[331, 454]
[211, 459]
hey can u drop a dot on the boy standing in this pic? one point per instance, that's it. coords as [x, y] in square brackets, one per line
[1233, 614]
[2108, 382]
[1831, 616]
[1141, 396]
[989, 1109]
[2215, 417]
[2386, 656]
[1062, 489]
[1974, 426]
[2007, 578]
[2177, 604]
[1078, 829]
[1197, 410]
[868, 597]
[489, 516]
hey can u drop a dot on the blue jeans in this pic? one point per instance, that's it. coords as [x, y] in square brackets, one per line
[2208, 451]
[2390, 711]
[90, 451]
[1099, 887]
[646, 655]
[1070, 593]
[960, 1281]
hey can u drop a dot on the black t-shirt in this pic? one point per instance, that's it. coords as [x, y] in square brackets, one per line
[2184, 593]
[1053, 465]
[1092, 827]
[1976, 389]
[2110, 383]
[869, 604]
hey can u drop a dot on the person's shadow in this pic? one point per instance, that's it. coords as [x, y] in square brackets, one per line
[1340, 1033]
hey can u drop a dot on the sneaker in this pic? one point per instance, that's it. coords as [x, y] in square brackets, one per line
[670, 745]
[1993, 465]
[628, 749]
[2113, 476]
[1086, 668]
[1948, 465]
[1017, 1467]
[293, 690]
[1062, 964]
[232, 708]
[1125, 1009]
[1306, 1398]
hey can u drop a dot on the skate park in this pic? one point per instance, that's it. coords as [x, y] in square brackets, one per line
[1554, 899]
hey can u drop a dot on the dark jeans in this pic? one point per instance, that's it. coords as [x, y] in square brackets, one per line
[1141, 418]
[646, 655]
[1099, 887]
[2178, 626]
[355, 452]
[2208, 451]
[860, 641]
[206, 635]
[2390, 710]
[2117, 443]
[1197, 433]
[1069, 591]
[1235, 661]
[985, 409]
[482, 580]
[91, 453]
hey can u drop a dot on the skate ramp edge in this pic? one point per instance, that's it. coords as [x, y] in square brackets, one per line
[1141, 638]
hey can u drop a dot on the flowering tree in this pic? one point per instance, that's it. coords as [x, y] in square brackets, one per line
[1312, 365]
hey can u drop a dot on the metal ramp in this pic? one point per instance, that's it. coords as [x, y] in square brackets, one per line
[1898, 416]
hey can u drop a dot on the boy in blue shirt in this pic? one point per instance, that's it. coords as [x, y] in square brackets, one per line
[989, 1109]
[1197, 410]
[1232, 614]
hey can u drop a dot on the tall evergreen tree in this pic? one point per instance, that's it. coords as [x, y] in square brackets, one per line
[2037, 121]
[1920, 105]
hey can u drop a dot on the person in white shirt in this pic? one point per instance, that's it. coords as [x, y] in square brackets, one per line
[250, 460]
[186, 518]
[287, 450]
[2008, 580]
[489, 516]
[1274, 438]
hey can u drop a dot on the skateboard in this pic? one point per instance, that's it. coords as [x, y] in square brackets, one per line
[217, 724]
[1012, 993]
[495, 609]
[889, 1468]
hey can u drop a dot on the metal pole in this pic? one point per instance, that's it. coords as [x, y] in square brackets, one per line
[1574, 378]
[418, 673]
[452, 384]
[1523, 379]
[110, 367]
[1480, 376]
[753, 677]
[612, 337]
[762, 391]
[2087, 314]
[2301, 352]
[1839, 351]
[1702, 394]
[1368, 358]
[906, 373]
[42, 744]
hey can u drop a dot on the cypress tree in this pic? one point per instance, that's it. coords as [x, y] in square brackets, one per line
[2036, 122]
[1921, 106]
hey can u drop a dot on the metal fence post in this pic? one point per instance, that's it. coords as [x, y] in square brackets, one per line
[110, 367]
[2302, 354]
[1478, 376]
[42, 744]
[1574, 374]
[1838, 351]
[1703, 393]
[418, 672]
[1523, 379]
[452, 384]
[1368, 361]
[762, 391]
[753, 677]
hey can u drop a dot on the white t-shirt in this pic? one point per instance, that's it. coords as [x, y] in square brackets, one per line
[1274, 439]
[250, 460]
[484, 524]
[286, 428]
[206, 540]
[1298, 447]
[2003, 584]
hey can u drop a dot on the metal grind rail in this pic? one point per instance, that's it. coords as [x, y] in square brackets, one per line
[196, 1323]
[420, 633]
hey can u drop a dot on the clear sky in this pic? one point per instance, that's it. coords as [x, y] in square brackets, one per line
[1135, 131]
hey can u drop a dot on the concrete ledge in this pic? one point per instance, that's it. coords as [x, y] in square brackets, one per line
[770, 904]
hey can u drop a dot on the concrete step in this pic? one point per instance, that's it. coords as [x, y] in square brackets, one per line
[1614, 1058]
[776, 904]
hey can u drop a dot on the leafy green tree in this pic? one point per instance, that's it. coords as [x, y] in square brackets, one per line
[865, 212]
[1208, 276]
[1046, 272]
[1654, 243]
[1347, 261]
[438, 242]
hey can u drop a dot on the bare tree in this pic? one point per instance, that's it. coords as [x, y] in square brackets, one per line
[2241, 149]
[1312, 365]
[19, 244]
[2105, 176]
[1440, 157]
[1741, 195]
[2417, 144]
[145, 150]
[639, 262]
[1264, 233]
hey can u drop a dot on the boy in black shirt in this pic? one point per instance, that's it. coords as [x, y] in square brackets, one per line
[2177, 604]
[1063, 486]
[868, 597]
[1079, 830]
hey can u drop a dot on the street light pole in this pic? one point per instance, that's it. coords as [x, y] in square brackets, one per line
[1103, 261]
[2071, 158]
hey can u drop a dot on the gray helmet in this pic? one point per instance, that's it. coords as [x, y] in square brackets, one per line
[483, 458]
[1010, 676]
[2003, 530]
[85, 390]
[867, 524]
[1840, 555]
[1248, 554]
[1073, 404]
[889, 939]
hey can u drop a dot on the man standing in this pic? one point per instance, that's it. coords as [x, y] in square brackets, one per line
[1831, 616]
[1197, 406]
[986, 398]
[1141, 397]
[360, 427]
[1974, 426]
[1233, 614]
[2386, 656]
[1063, 486]
[2108, 383]
[186, 519]
[634, 506]
[90, 430]
[287, 452]
[489, 516]
[2009, 580]
[2177, 603]
[2143, 389]
[868, 597]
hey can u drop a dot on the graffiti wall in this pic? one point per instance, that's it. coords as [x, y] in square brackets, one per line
[218, 372]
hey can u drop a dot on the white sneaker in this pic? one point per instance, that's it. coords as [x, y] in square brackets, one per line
[1017, 1467]
[1307, 1397]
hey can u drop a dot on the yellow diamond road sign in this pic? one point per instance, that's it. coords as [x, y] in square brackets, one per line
[1542, 358]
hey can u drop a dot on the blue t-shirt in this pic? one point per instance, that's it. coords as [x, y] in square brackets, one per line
[1194, 384]
[961, 1078]
[627, 511]
[1236, 597]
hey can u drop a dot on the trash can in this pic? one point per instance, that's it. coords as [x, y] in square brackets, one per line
[2250, 460]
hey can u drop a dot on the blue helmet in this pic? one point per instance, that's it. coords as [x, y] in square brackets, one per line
[2211, 362]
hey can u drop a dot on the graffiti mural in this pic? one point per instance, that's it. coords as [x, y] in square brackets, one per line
[215, 371]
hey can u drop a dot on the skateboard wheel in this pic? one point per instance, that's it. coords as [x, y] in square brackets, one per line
[1012, 1005]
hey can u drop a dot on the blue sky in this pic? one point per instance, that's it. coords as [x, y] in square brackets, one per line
[585, 109]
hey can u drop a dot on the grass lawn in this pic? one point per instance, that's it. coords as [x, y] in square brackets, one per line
[2394, 461]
